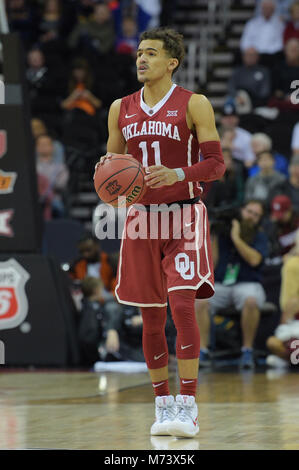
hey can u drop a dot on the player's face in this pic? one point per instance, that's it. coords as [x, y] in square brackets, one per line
[153, 62]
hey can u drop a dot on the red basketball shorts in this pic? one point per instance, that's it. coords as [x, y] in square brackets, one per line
[164, 251]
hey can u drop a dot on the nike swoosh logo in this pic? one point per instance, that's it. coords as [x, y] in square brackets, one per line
[185, 347]
[126, 116]
[187, 381]
[158, 385]
[188, 225]
[158, 357]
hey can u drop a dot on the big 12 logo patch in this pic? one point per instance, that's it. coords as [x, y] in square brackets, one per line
[13, 299]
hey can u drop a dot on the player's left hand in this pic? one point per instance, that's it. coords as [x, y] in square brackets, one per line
[159, 175]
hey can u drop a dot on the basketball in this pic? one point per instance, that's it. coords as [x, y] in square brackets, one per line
[120, 176]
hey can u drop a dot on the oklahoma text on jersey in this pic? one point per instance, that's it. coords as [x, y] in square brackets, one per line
[151, 128]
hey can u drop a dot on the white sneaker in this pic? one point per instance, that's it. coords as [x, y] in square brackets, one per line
[276, 362]
[165, 413]
[185, 423]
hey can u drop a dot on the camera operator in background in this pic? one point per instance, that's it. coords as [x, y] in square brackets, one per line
[239, 249]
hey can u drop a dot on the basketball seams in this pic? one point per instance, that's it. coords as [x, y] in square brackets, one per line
[116, 173]
[132, 164]
[139, 169]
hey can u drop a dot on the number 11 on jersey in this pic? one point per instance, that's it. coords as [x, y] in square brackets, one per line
[156, 146]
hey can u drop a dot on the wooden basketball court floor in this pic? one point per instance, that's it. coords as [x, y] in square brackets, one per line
[113, 411]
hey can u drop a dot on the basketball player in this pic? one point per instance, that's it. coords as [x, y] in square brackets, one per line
[165, 127]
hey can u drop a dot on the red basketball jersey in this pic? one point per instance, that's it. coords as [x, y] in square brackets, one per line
[160, 136]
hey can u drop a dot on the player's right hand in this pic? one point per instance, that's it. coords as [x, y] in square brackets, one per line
[102, 159]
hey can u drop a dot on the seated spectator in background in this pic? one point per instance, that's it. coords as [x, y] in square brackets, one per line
[97, 33]
[84, 9]
[235, 138]
[22, 18]
[295, 140]
[128, 40]
[292, 27]
[38, 128]
[285, 222]
[54, 24]
[281, 343]
[282, 8]
[252, 78]
[290, 187]
[57, 174]
[261, 185]
[284, 73]
[261, 142]
[100, 322]
[81, 124]
[107, 330]
[46, 86]
[238, 254]
[94, 263]
[265, 33]
[228, 192]
[80, 84]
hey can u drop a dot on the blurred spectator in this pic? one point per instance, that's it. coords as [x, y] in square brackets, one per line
[290, 187]
[280, 344]
[97, 33]
[292, 27]
[95, 263]
[108, 330]
[264, 32]
[252, 78]
[228, 192]
[38, 128]
[56, 173]
[82, 124]
[282, 8]
[100, 321]
[23, 19]
[295, 140]
[46, 86]
[285, 222]
[238, 254]
[284, 74]
[84, 9]
[261, 185]
[235, 138]
[80, 85]
[261, 142]
[55, 23]
[128, 40]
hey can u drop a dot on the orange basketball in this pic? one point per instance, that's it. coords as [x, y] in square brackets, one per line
[120, 176]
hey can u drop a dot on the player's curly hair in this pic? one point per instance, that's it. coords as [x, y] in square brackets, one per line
[173, 42]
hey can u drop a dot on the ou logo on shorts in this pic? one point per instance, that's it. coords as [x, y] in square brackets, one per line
[183, 265]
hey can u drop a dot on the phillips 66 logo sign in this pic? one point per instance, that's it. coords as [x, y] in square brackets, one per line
[13, 299]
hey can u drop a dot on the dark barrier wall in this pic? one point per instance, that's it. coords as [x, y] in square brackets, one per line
[19, 217]
[20, 221]
[37, 317]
